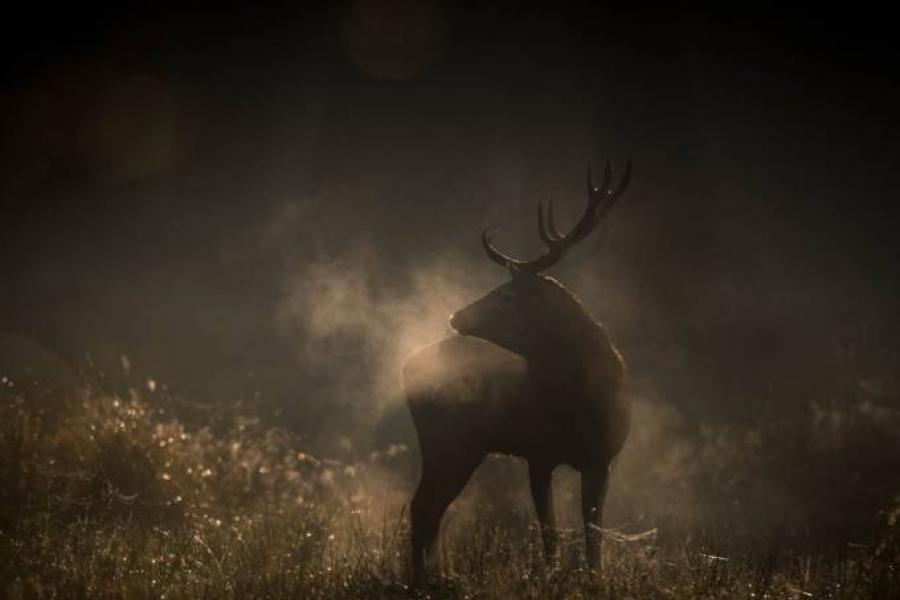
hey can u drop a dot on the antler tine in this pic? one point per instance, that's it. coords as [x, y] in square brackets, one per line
[595, 194]
[543, 232]
[612, 196]
[495, 255]
[607, 177]
[600, 196]
[546, 225]
[586, 221]
[551, 223]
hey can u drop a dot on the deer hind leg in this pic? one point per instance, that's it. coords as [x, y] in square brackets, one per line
[443, 478]
[540, 476]
[593, 496]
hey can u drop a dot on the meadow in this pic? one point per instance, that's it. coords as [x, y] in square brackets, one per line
[134, 496]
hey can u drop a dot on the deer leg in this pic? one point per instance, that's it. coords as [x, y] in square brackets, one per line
[541, 479]
[442, 480]
[593, 496]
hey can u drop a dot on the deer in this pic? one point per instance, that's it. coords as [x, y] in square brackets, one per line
[529, 372]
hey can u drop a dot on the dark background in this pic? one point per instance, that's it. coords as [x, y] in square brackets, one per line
[168, 173]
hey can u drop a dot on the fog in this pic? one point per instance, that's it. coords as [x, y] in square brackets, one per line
[282, 206]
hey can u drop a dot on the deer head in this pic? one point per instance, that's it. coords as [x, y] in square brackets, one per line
[531, 312]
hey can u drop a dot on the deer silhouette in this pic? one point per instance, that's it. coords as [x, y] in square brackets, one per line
[531, 374]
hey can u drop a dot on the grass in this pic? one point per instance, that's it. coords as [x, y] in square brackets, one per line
[116, 498]
[297, 556]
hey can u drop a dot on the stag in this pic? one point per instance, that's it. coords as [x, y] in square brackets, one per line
[530, 374]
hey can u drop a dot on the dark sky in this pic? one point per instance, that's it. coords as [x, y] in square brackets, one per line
[151, 157]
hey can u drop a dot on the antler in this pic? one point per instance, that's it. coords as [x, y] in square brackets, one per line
[600, 201]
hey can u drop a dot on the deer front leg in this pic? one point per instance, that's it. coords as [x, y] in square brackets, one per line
[593, 496]
[444, 475]
[541, 479]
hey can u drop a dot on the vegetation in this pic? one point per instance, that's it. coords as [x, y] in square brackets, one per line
[116, 497]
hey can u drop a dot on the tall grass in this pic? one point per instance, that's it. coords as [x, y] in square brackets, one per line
[115, 497]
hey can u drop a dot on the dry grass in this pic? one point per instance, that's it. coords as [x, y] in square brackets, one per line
[119, 499]
[297, 555]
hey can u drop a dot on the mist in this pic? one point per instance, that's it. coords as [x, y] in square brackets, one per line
[281, 207]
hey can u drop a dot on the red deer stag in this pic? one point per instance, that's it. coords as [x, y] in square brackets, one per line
[532, 374]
